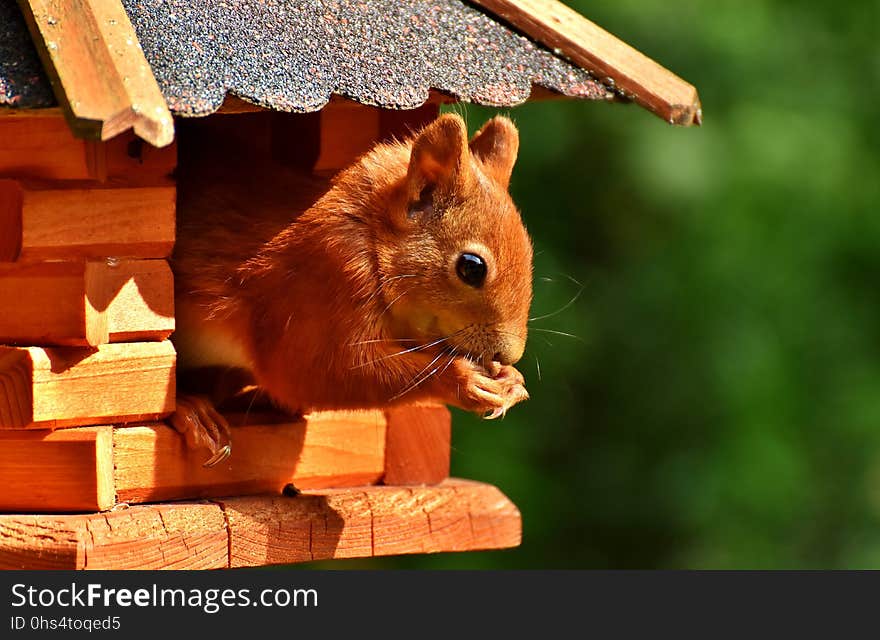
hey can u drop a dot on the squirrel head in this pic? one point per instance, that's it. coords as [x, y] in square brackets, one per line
[458, 270]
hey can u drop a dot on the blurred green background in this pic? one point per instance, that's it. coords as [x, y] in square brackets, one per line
[720, 405]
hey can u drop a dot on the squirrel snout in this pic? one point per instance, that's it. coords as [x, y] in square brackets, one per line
[509, 349]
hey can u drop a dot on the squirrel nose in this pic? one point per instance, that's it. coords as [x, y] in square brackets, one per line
[510, 350]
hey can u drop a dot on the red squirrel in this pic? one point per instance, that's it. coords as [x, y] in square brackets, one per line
[406, 278]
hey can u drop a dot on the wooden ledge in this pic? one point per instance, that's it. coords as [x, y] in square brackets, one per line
[609, 59]
[458, 515]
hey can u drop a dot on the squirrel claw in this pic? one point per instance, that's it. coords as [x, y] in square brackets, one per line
[203, 428]
[218, 457]
[491, 395]
[497, 412]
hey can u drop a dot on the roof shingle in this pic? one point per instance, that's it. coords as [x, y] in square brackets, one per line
[290, 55]
[22, 81]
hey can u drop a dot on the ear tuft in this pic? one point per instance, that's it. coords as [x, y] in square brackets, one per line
[496, 146]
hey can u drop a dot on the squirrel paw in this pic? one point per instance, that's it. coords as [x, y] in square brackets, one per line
[492, 393]
[203, 427]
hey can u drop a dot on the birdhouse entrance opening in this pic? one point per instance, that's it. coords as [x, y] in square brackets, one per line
[278, 163]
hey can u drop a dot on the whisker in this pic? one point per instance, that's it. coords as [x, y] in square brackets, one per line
[354, 344]
[558, 333]
[250, 406]
[507, 333]
[538, 367]
[410, 350]
[572, 279]
[561, 309]
[452, 355]
[400, 353]
[386, 281]
[418, 380]
[390, 304]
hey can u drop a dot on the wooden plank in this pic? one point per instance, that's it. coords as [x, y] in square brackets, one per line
[94, 223]
[372, 521]
[57, 471]
[135, 296]
[611, 60]
[82, 222]
[170, 536]
[348, 130]
[327, 449]
[82, 304]
[69, 386]
[417, 445]
[330, 140]
[46, 303]
[98, 70]
[46, 112]
[254, 531]
[128, 158]
[42, 147]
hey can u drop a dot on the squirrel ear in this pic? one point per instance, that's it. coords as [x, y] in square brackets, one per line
[439, 159]
[496, 146]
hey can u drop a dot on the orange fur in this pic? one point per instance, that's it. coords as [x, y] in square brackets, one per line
[318, 288]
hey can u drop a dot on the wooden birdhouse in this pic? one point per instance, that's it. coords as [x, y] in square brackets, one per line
[102, 104]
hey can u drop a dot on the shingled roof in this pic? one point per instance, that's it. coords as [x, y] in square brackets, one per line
[22, 80]
[118, 64]
[292, 56]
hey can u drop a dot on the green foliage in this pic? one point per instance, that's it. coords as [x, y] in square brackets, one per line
[720, 406]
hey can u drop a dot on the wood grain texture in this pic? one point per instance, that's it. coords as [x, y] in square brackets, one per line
[170, 536]
[327, 449]
[136, 298]
[69, 386]
[47, 304]
[97, 69]
[86, 303]
[42, 147]
[239, 532]
[372, 521]
[57, 471]
[417, 445]
[130, 159]
[74, 221]
[38, 145]
[638, 77]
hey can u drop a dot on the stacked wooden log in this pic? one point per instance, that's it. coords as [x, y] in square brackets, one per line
[88, 305]
[86, 368]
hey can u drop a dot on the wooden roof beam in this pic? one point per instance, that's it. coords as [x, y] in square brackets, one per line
[98, 71]
[608, 58]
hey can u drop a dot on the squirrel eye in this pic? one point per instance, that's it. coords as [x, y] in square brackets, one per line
[471, 268]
